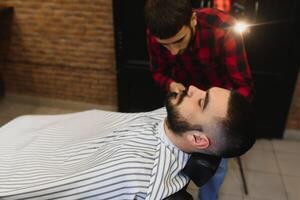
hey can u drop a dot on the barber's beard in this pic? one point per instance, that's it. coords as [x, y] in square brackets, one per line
[190, 43]
[175, 120]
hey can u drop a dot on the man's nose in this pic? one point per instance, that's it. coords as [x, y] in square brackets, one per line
[192, 91]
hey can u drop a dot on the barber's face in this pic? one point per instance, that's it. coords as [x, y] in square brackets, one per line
[196, 109]
[178, 43]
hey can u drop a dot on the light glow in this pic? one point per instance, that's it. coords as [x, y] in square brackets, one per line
[241, 27]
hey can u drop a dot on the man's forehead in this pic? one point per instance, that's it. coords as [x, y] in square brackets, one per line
[220, 91]
[219, 99]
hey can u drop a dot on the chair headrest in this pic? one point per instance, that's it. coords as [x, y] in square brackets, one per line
[201, 167]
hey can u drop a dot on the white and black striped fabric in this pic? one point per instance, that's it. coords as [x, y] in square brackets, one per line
[89, 155]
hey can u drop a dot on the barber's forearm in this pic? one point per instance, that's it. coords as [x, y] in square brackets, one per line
[162, 81]
[239, 71]
[168, 84]
[176, 87]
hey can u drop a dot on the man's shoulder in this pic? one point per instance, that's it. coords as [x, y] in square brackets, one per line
[214, 18]
[161, 110]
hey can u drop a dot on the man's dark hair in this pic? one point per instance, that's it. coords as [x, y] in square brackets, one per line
[239, 127]
[165, 18]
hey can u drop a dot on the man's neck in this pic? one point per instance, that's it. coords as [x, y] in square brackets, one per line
[178, 140]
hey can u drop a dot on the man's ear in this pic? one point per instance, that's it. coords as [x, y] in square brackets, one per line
[199, 140]
[194, 19]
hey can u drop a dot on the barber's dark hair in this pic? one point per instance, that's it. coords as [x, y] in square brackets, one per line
[239, 127]
[165, 18]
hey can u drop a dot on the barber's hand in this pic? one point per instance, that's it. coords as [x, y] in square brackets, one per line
[176, 87]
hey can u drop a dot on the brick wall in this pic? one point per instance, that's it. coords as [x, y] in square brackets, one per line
[293, 121]
[62, 49]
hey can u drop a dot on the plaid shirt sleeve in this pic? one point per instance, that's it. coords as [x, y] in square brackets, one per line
[158, 66]
[234, 58]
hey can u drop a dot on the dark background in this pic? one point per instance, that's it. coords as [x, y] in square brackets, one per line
[272, 52]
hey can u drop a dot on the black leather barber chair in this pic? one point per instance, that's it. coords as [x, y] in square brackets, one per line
[200, 168]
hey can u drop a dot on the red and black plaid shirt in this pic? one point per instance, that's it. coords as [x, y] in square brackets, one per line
[216, 57]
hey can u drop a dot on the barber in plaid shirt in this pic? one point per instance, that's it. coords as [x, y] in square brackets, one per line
[196, 47]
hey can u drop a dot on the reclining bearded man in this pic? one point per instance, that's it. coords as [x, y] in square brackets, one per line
[108, 155]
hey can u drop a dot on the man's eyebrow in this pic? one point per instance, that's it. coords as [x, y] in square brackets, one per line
[206, 100]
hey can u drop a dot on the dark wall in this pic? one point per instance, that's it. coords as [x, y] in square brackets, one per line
[272, 48]
[6, 14]
[136, 89]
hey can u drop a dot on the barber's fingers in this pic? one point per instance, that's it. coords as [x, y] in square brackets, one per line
[176, 87]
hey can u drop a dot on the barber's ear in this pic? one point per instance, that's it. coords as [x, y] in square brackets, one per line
[194, 19]
[199, 140]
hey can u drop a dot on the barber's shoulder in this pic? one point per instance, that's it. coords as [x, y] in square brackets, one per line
[214, 18]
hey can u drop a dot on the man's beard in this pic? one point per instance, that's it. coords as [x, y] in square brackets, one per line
[175, 120]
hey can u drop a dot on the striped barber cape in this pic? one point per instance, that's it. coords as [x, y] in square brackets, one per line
[92, 154]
